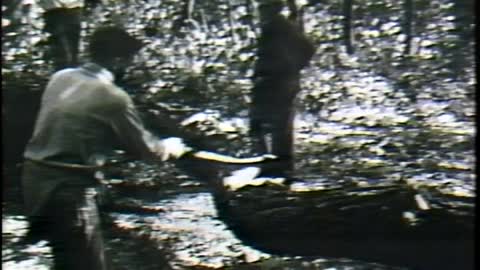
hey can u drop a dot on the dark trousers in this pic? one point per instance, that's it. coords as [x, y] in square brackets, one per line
[72, 226]
[64, 26]
[272, 113]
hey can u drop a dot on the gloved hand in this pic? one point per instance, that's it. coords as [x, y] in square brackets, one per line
[173, 148]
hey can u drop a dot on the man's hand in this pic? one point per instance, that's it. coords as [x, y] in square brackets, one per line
[173, 148]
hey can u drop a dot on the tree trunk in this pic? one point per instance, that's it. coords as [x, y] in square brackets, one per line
[407, 25]
[464, 13]
[347, 25]
[185, 15]
[231, 23]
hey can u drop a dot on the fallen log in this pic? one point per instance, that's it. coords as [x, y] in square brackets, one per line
[391, 224]
[395, 224]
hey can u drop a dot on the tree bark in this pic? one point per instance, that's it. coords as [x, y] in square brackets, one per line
[408, 25]
[347, 25]
[185, 15]
[231, 23]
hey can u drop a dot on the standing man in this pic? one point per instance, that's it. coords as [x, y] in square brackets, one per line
[283, 51]
[63, 22]
[83, 118]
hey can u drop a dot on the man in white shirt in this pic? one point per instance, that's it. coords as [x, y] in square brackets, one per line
[84, 117]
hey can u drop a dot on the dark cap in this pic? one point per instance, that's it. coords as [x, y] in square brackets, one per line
[112, 41]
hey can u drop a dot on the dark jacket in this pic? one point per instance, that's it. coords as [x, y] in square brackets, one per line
[283, 49]
[84, 116]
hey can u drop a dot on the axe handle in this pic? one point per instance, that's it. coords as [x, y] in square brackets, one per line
[205, 155]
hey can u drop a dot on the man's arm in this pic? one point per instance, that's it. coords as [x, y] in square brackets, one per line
[129, 129]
